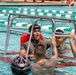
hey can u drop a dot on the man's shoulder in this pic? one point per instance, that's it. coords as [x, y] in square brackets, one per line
[26, 43]
[64, 47]
[42, 68]
[34, 66]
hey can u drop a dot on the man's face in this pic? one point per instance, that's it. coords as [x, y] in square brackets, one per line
[36, 34]
[58, 39]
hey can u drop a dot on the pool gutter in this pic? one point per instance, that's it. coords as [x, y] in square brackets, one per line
[51, 3]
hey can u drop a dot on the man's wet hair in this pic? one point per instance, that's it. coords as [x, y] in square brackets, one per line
[40, 50]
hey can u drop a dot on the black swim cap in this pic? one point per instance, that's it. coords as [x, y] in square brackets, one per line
[21, 66]
[36, 26]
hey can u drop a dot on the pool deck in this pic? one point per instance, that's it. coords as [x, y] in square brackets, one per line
[31, 3]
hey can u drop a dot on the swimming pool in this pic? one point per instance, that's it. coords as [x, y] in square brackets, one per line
[14, 43]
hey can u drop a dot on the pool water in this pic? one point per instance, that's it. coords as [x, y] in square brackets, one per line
[14, 45]
[14, 42]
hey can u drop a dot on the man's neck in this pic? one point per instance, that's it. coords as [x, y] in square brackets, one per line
[39, 59]
[58, 46]
[35, 41]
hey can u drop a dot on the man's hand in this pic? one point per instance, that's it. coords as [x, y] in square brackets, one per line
[53, 39]
[22, 52]
[71, 36]
[31, 55]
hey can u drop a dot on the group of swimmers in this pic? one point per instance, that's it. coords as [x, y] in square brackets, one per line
[37, 51]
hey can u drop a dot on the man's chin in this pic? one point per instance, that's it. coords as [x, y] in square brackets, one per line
[37, 39]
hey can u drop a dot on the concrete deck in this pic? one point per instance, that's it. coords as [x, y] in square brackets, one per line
[31, 3]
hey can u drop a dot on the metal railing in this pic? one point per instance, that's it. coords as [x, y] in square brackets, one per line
[72, 3]
[12, 17]
[23, 0]
[10, 21]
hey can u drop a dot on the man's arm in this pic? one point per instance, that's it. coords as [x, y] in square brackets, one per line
[55, 53]
[73, 47]
[23, 51]
[54, 58]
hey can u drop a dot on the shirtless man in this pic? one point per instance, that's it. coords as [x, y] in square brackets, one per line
[44, 66]
[73, 46]
[61, 46]
[34, 41]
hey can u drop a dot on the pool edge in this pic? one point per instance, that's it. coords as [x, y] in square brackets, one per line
[51, 3]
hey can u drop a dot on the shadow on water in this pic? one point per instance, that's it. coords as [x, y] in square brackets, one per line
[59, 73]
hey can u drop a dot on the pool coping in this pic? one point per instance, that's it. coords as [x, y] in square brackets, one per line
[31, 3]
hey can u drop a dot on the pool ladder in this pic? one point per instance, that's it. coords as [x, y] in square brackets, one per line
[73, 3]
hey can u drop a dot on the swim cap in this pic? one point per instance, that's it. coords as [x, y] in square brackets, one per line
[58, 31]
[21, 66]
[36, 26]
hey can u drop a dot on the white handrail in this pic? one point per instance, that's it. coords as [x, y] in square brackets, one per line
[72, 3]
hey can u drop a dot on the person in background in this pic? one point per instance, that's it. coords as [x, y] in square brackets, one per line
[73, 46]
[62, 48]
[34, 42]
[44, 66]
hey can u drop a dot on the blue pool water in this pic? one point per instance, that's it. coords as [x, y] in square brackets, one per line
[14, 43]
[43, 7]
